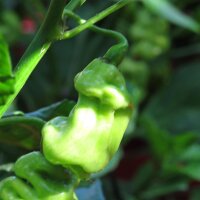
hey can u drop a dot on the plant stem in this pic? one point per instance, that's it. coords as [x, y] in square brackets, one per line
[88, 23]
[115, 53]
[47, 33]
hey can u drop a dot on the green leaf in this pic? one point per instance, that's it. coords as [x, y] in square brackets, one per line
[5, 69]
[159, 140]
[161, 189]
[171, 13]
[195, 193]
[143, 176]
[6, 77]
[188, 162]
[20, 131]
[61, 108]
[183, 141]
[24, 130]
[176, 108]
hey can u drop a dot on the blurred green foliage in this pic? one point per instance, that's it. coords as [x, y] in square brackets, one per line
[162, 70]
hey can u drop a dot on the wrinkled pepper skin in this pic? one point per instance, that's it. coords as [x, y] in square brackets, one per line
[37, 179]
[86, 140]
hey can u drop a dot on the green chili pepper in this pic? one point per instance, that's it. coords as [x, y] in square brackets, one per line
[45, 181]
[87, 139]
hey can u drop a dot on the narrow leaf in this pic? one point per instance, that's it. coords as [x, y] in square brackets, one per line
[171, 13]
[62, 108]
[159, 190]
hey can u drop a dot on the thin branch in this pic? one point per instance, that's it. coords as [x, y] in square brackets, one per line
[88, 23]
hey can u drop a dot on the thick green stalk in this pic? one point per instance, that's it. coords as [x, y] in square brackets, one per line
[47, 33]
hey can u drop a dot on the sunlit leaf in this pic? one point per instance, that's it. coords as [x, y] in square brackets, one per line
[6, 77]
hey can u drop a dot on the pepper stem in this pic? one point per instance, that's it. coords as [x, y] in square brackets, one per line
[115, 53]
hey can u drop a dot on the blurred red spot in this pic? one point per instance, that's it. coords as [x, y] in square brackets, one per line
[28, 26]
